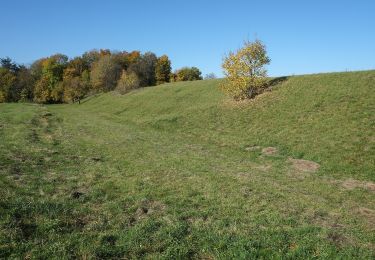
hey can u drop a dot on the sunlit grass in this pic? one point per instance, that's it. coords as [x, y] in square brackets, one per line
[165, 172]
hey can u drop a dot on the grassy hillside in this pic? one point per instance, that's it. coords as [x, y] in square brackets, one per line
[177, 171]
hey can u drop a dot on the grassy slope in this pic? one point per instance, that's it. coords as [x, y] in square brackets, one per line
[163, 172]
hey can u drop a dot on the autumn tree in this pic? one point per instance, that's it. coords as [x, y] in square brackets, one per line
[36, 69]
[42, 90]
[46, 88]
[24, 86]
[127, 82]
[125, 59]
[188, 74]
[245, 70]
[76, 80]
[144, 67]
[172, 77]
[74, 89]
[16, 81]
[75, 67]
[163, 70]
[7, 81]
[104, 74]
[90, 57]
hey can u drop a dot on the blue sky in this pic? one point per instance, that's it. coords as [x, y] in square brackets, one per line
[301, 36]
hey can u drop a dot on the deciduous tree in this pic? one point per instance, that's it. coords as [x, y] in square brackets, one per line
[127, 82]
[74, 89]
[188, 74]
[245, 70]
[7, 82]
[145, 69]
[47, 89]
[104, 74]
[163, 70]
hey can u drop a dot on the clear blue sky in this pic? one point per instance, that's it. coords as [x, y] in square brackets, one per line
[301, 36]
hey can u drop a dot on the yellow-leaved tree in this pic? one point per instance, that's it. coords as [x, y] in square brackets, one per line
[245, 70]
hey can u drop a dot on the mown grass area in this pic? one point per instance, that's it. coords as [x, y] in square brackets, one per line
[167, 172]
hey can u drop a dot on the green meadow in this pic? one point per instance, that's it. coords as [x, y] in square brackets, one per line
[180, 171]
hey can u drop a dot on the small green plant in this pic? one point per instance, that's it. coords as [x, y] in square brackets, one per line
[244, 70]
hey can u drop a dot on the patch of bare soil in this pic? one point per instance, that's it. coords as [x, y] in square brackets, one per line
[77, 194]
[351, 184]
[147, 208]
[269, 151]
[304, 165]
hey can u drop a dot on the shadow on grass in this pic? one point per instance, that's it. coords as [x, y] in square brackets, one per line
[270, 85]
[276, 81]
[89, 97]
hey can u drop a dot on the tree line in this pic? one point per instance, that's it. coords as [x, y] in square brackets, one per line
[58, 79]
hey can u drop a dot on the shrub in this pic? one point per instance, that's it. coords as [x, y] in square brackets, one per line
[245, 71]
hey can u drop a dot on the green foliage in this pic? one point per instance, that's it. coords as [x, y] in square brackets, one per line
[163, 70]
[188, 74]
[127, 82]
[245, 70]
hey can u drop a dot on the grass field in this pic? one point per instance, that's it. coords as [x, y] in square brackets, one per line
[177, 171]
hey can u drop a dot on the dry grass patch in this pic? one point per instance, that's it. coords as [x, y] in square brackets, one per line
[304, 165]
[269, 151]
[351, 184]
